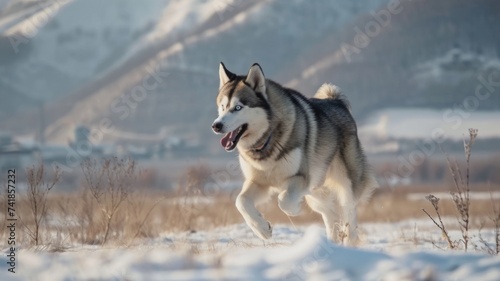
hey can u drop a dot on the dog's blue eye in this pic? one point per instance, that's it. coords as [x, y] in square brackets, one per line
[238, 107]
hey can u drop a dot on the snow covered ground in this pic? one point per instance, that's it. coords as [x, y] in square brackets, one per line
[419, 123]
[477, 195]
[400, 251]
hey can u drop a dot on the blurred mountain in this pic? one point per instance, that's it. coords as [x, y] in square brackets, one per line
[431, 55]
[88, 60]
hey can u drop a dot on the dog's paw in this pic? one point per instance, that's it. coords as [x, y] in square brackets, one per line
[264, 231]
[352, 239]
[289, 205]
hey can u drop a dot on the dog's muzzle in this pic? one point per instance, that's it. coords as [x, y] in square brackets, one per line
[217, 127]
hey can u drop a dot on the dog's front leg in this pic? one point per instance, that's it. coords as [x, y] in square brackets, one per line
[245, 203]
[290, 199]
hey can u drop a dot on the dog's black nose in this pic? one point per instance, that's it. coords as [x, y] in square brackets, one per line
[217, 127]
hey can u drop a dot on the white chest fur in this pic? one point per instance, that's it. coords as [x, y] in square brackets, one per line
[271, 171]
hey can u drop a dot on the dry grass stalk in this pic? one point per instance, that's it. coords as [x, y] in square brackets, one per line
[139, 211]
[495, 219]
[461, 195]
[435, 203]
[110, 184]
[36, 197]
[462, 203]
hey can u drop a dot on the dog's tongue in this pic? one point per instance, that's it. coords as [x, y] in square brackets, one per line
[228, 139]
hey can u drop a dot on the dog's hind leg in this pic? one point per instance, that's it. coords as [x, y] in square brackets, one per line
[323, 205]
[348, 213]
[250, 194]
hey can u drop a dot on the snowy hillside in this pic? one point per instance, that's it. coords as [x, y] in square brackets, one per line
[79, 40]
[90, 55]
[428, 55]
[86, 45]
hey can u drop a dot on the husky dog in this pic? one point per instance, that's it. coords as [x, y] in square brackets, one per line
[302, 149]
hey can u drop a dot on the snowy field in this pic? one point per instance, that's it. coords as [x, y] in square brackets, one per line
[401, 251]
[419, 123]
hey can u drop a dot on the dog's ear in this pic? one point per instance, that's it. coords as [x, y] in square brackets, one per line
[225, 75]
[256, 79]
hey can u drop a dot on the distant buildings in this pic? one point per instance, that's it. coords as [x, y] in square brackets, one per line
[18, 153]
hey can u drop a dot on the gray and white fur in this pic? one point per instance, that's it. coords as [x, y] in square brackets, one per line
[303, 149]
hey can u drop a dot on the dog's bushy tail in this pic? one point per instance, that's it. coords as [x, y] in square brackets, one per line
[330, 91]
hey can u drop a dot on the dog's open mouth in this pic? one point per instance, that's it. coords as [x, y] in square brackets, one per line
[230, 140]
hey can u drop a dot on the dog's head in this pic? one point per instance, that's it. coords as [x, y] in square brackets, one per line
[243, 107]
